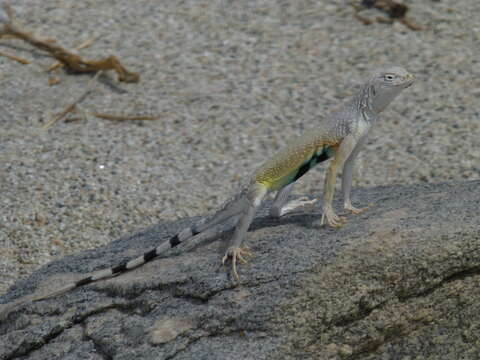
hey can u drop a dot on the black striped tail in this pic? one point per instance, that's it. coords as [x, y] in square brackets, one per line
[84, 281]
[106, 273]
[131, 264]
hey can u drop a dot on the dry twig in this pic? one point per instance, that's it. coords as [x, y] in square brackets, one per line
[73, 105]
[394, 10]
[73, 61]
[83, 45]
[53, 81]
[121, 117]
[16, 58]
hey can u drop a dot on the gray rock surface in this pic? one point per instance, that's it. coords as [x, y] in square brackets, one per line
[400, 281]
[231, 82]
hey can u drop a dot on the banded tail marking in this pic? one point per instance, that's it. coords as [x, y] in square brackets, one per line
[141, 260]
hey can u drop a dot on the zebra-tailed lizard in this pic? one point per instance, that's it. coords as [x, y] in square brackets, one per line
[339, 137]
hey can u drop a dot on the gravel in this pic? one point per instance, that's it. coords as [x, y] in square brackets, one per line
[231, 82]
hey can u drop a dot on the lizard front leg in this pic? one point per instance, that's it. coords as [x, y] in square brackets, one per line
[328, 216]
[342, 152]
[347, 178]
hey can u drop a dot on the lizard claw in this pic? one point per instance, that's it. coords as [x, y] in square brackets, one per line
[236, 254]
[331, 219]
[352, 209]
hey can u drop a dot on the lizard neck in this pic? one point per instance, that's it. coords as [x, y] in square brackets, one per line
[363, 103]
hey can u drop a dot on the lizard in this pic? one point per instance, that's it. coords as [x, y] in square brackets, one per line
[339, 137]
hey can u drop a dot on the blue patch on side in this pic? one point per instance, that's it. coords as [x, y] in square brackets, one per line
[325, 154]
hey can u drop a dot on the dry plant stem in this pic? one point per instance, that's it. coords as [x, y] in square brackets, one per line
[73, 105]
[16, 58]
[394, 10]
[411, 25]
[73, 61]
[53, 81]
[404, 21]
[122, 118]
[5, 36]
[83, 45]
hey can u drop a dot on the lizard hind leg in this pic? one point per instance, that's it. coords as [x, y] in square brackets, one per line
[281, 206]
[231, 209]
[235, 252]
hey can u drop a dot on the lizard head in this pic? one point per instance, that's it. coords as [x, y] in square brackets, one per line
[385, 84]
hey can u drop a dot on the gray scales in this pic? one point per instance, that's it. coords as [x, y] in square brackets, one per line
[339, 137]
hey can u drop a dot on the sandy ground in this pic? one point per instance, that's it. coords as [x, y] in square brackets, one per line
[230, 82]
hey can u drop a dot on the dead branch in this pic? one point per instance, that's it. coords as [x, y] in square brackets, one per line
[16, 58]
[121, 117]
[395, 12]
[72, 61]
[53, 80]
[73, 105]
[83, 45]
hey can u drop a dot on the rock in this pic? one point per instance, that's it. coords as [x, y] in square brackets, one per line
[399, 281]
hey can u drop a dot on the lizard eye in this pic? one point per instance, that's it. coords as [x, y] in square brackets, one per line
[389, 77]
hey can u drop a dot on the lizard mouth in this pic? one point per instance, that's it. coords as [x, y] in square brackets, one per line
[410, 81]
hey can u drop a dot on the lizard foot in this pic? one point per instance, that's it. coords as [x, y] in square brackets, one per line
[301, 203]
[352, 209]
[332, 219]
[236, 253]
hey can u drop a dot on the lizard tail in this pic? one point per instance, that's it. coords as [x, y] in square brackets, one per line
[5, 309]
[229, 210]
[125, 266]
